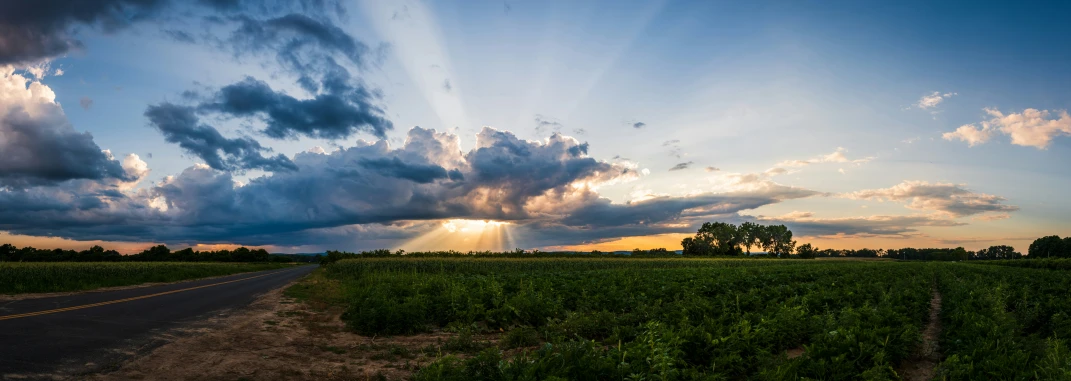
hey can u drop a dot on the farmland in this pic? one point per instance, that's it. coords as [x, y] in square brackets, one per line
[26, 277]
[682, 318]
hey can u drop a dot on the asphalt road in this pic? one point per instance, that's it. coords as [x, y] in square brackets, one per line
[88, 332]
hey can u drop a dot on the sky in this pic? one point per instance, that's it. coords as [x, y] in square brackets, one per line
[303, 126]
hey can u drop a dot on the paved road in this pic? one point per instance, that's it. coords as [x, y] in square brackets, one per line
[115, 324]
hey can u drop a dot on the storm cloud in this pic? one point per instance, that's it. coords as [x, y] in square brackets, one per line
[180, 125]
[39, 145]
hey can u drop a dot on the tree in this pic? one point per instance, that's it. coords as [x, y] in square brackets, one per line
[1048, 247]
[807, 251]
[749, 234]
[778, 240]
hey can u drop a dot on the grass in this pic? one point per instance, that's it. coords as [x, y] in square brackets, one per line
[21, 278]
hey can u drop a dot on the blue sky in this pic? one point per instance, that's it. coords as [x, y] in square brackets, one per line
[840, 119]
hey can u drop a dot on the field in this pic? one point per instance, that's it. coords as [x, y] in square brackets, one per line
[19, 278]
[710, 319]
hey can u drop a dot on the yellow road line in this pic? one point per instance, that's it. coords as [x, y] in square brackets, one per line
[46, 312]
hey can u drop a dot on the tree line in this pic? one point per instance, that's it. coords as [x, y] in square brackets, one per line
[159, 253]
[719, 238]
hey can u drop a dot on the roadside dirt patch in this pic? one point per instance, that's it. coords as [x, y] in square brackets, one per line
[278, 338]
[924, 364]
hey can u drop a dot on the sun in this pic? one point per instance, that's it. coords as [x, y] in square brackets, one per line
[465, 235]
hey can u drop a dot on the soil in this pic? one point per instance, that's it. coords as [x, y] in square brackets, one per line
[278, 338]
[923, 365]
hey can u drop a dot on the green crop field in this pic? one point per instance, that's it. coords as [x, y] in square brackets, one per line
[711, 319]
[19, 278]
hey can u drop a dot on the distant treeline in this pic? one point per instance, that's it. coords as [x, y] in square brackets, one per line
[159, 253]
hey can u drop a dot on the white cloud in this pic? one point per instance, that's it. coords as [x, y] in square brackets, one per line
[1030, 128]
[970, 134]
[932, 100]
[837, 156]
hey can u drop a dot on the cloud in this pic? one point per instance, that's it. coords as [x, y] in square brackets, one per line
[504, 178]
[639, 125]
[932, 100]
[418, 173]
[681, 166]
[31, 31]
[970, 134]
[805, 224]
[1032, 127]
[299, 42]
[338, 114]
[1029, 128]
[711, 169]
[837, 156]
[180, 125]
[180, 36]
[86, 103]
[39, 145]
[545, 124]
[953, 200]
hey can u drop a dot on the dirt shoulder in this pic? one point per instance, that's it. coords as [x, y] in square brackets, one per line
[278, 337]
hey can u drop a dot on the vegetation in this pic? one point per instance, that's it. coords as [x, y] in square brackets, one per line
[18, 278]
[159, 253]
[647, 318]
[683, 318]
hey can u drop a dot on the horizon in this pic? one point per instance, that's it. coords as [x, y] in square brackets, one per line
[556, 125]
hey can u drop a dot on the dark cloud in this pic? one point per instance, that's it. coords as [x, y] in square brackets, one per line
[367, 184]
[299, 41]
[85, 102]
[335, 115]
[180, 125]
[681, 166]
[395, 167]
[42, 29]
[639, 125]
[32, 30]
[180, 36]
[446, 86]
[40, 146]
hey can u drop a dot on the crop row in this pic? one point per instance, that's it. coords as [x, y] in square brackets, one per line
[650, 318]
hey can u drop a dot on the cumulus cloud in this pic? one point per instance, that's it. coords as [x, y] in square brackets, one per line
[953, 200]
[542, 186]
[837, 156]
[932, 100]
[180, 125]
[1032, 127]
[970, 133]
[1029, 128]
[38, 144]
